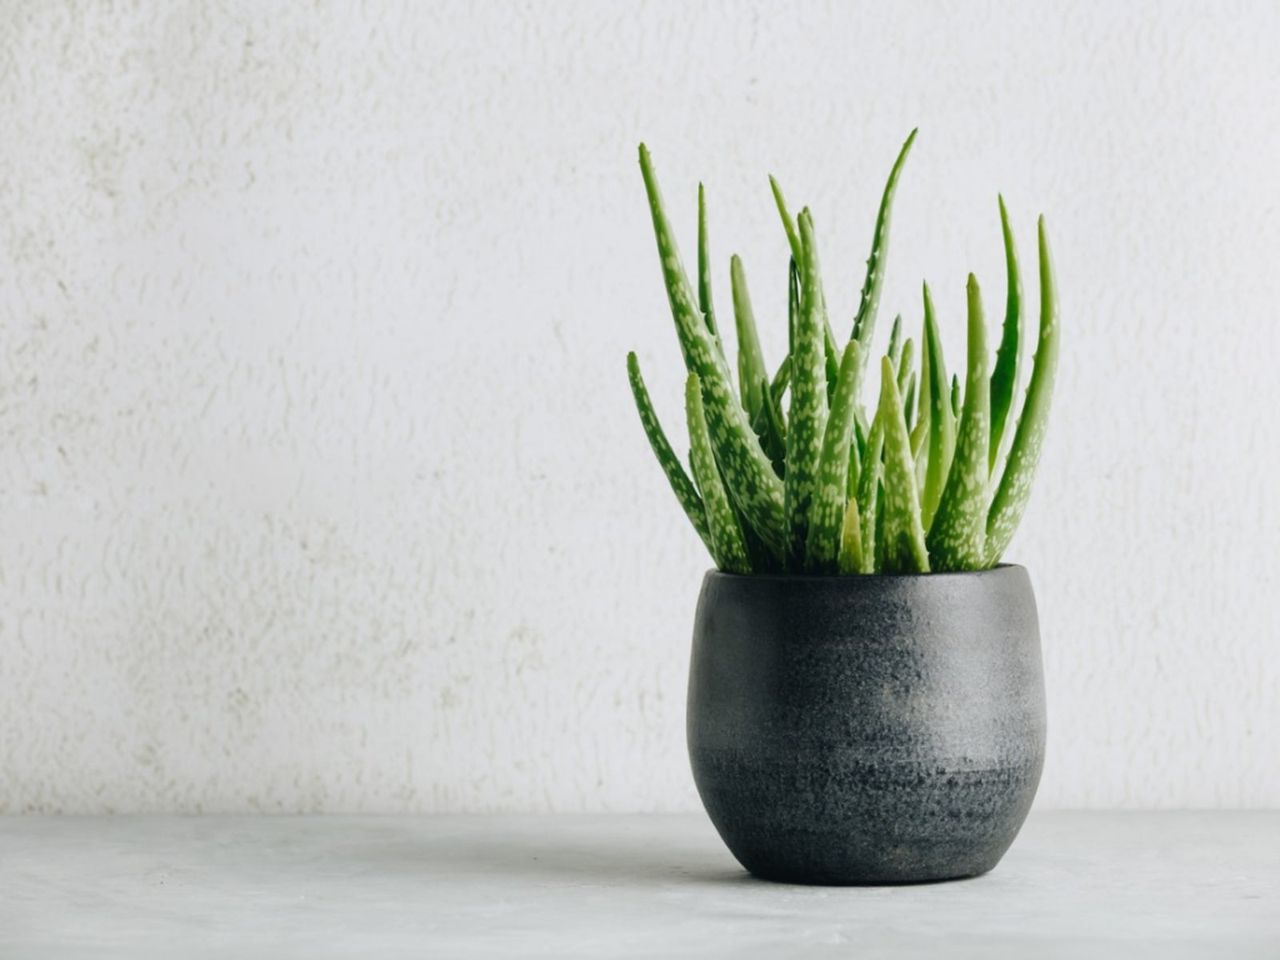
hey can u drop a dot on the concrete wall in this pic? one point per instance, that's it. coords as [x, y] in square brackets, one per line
[320, 485]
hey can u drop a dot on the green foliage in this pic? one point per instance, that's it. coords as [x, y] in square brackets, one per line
[936, 480]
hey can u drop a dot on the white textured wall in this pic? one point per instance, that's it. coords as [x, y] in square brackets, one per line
[320, 486]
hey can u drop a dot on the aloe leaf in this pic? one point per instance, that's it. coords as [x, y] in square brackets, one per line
[1004, 378]
[864, 323]
[728, 547]
[878, 563]
[856, 446]
[771, 430]
[905, 363]
[942, 435]
[869, 493]
[795, 241]
[781, 380]
[909, 404]
[956, 397]
[923, 418]
[957, 538]
[831, 492]
[895, 338]
[751, 368]
[793, 304]
[681, 485]
[1011, 496]
[704, 269]
[788, 225]
[808, 416]
[850, 560]
[748, 474]
[855, 465]
[904, 543]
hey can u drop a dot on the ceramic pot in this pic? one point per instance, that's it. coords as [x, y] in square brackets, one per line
[869, 729]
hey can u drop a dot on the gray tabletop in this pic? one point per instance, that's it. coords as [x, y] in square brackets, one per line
[1090, 885]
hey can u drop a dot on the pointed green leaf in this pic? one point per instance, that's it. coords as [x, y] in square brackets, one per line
[851, 540]
[903, 531]
[957, 538]
[942, 436]
[797, 254]
[923, 418]
[808, 416]
[855, 454]
[831, 491]
[793, 305]
[1005, 376]
[681, 485]
[728, 547]
[751, 368]
[906, 363]
[864, 323]
[869, 493]
[772, 431]
[748, 474]
[781, 380]
[909, 404]
[895, 339]
[704, 269]
[1014, 490]
[788, 225]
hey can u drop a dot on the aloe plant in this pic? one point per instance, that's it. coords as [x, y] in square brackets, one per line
[788, 473]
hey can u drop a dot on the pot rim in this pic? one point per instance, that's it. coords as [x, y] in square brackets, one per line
[829, 578]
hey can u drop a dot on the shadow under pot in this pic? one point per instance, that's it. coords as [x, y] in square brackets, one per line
[867, 729]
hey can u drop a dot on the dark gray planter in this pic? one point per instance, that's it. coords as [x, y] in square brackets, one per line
[872, 729]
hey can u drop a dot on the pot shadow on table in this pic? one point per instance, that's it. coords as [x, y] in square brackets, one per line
[630, 860]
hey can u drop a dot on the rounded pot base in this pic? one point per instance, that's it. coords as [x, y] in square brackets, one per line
[867, 731]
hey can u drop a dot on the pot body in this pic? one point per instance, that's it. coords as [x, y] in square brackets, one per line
[870, 729]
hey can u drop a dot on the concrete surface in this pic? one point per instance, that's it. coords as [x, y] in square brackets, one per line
[1075, 885]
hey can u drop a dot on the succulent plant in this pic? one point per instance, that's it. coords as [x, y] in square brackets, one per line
[791, 475]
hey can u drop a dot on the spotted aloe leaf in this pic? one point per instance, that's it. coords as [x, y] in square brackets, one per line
[936, 480]
[794, 241]
[808, 416]
[957, 539]
[1011, 495]
[904, 546]
[704, 269]
[1004, 378]
[906, 364]
[856, 449]
[781, 380]
[772, 430]
[748, 475]
[869, 484]
[831, 492]
[728, 546]
[751, 368]
[681, 485]
[864, 323]
[851, 540]
[909, 404]
[895, 339]
[920, 428]
[942, 430]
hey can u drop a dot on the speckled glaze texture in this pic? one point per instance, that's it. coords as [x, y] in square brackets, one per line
[850, 730]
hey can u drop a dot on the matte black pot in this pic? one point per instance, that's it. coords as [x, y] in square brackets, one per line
[872, 729]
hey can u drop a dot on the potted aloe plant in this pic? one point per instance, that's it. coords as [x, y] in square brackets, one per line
[866, 702]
